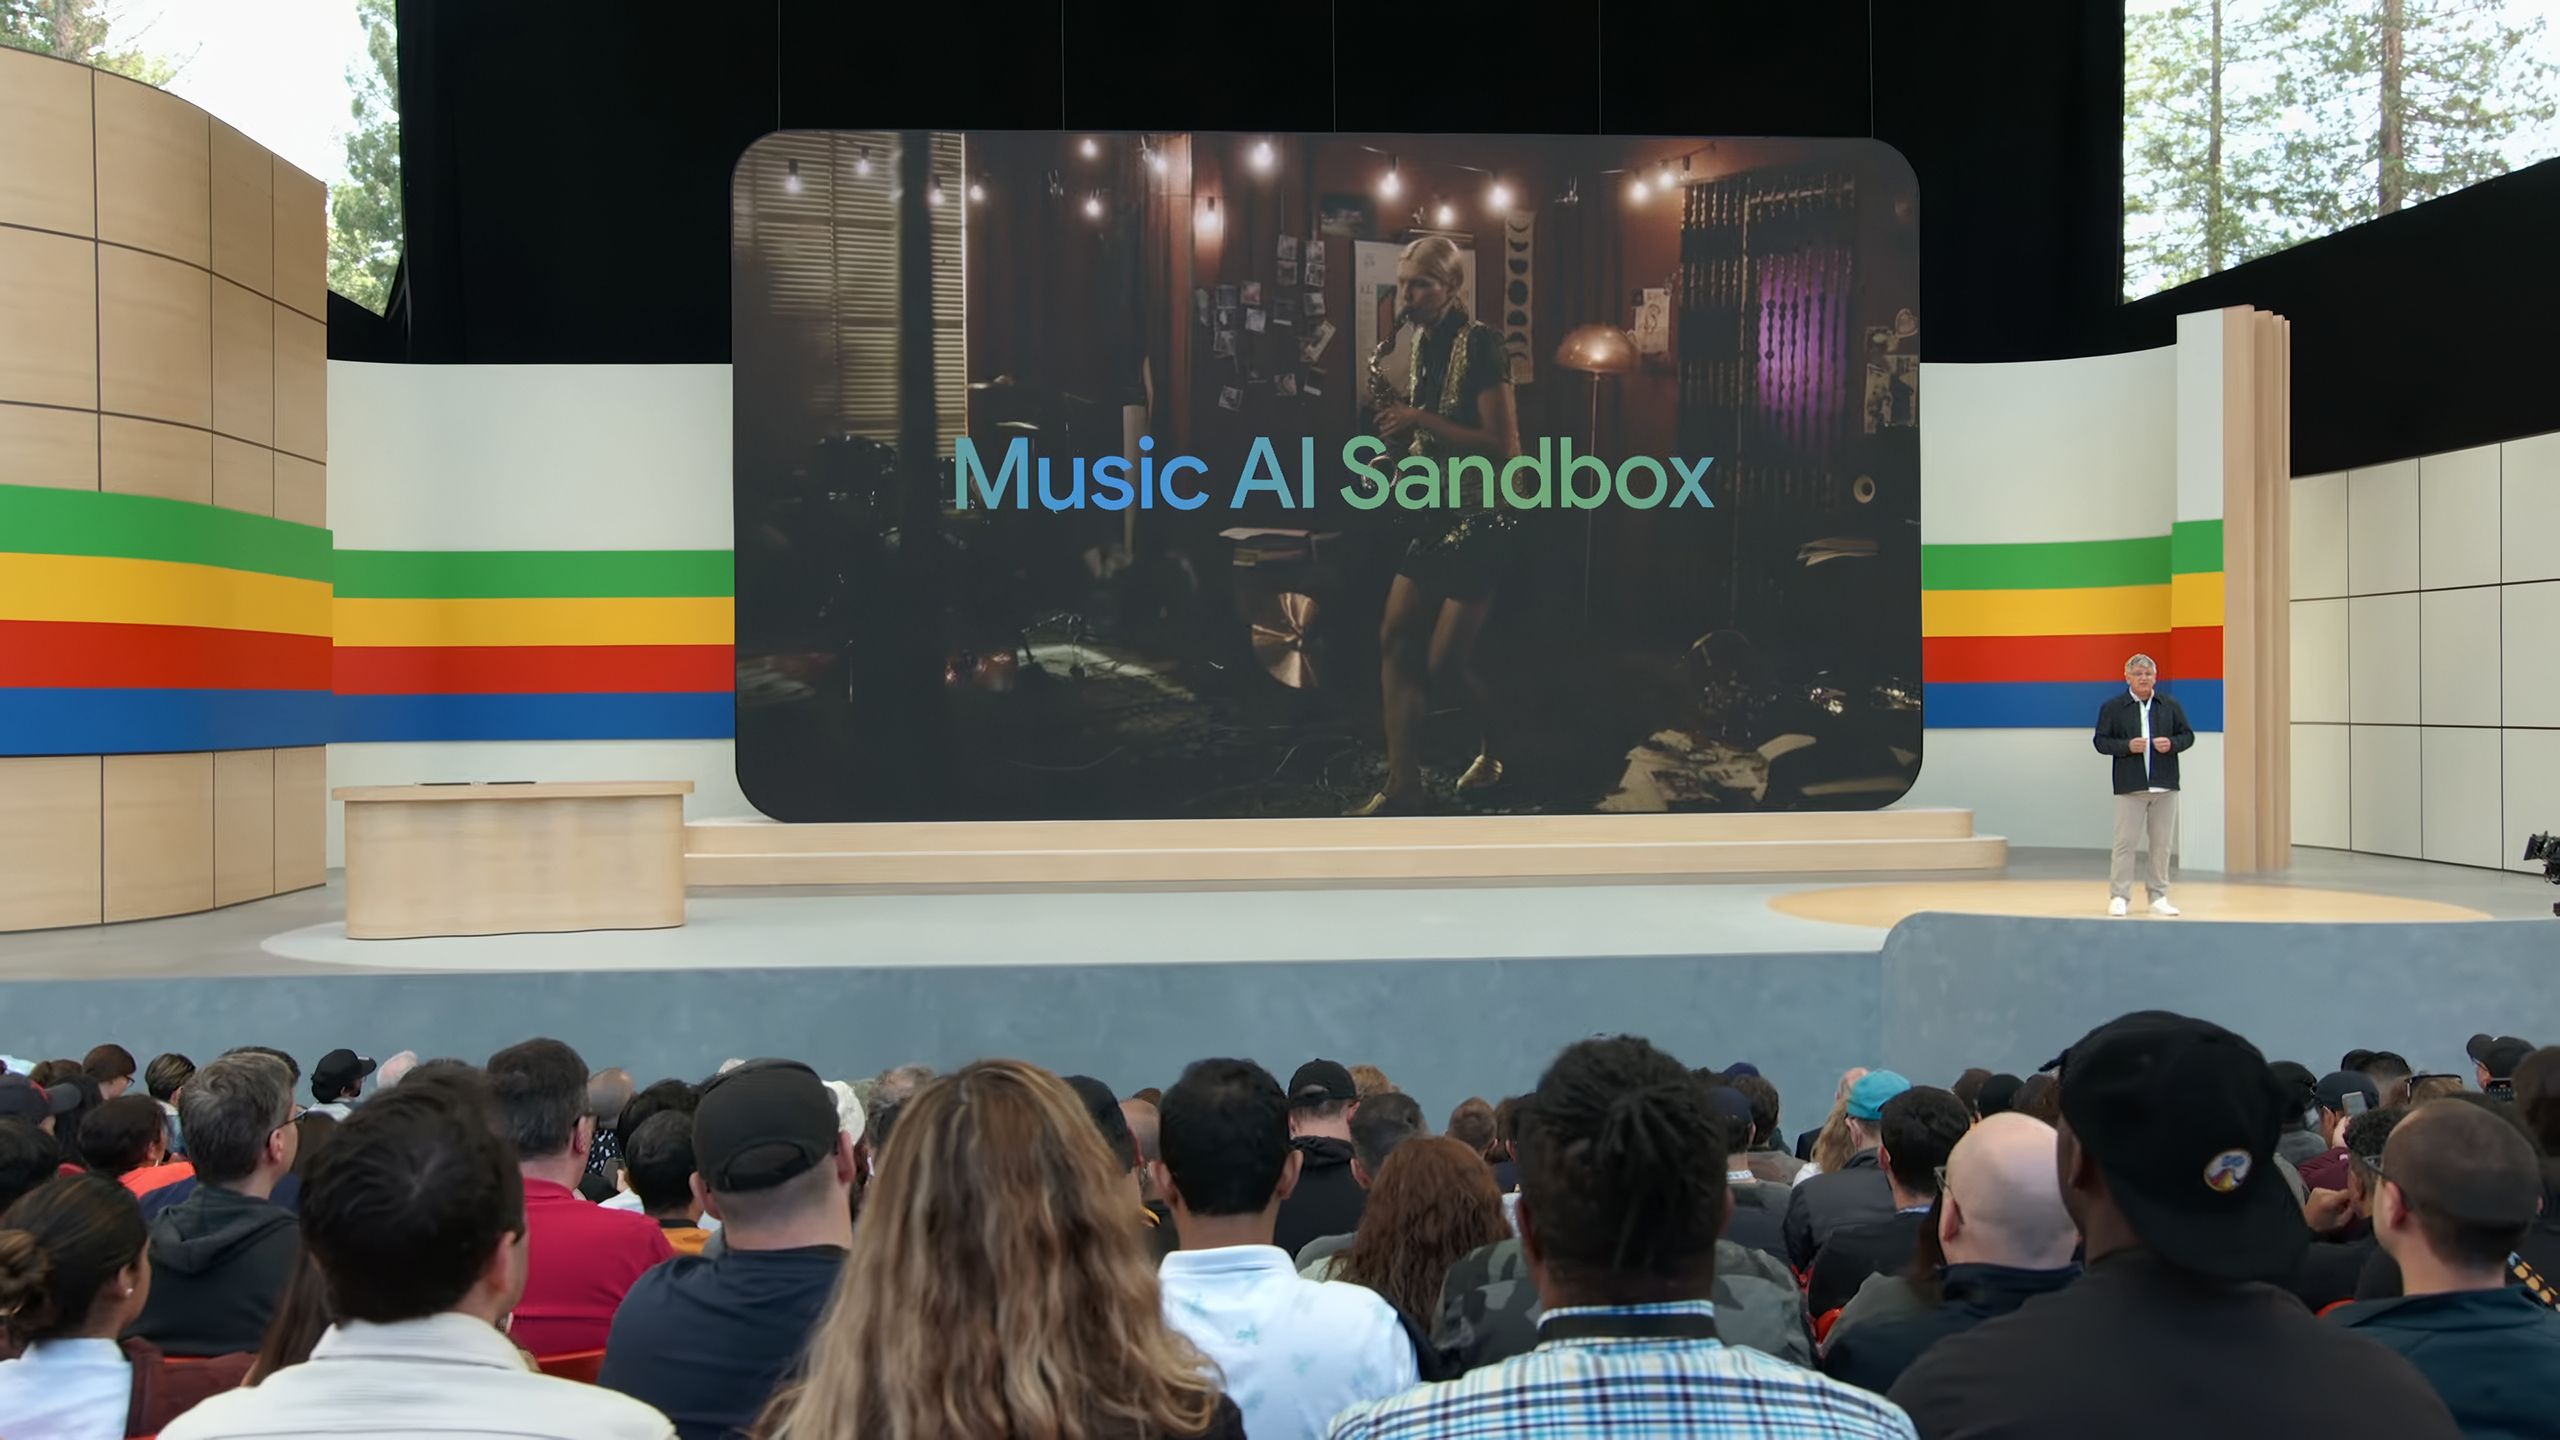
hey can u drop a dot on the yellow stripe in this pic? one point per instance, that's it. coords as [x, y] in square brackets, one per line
[2195, 601]
[101, 589]
[633, 621]
[2104, 610]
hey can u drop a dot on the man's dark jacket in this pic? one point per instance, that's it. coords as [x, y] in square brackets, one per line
[2120, 724]
[1327, 1201]
[220, 1260]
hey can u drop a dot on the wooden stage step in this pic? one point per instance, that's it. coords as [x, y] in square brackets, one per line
[1423, 848]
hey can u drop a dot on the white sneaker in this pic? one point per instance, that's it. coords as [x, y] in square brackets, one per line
[2161, 906]
[2116, 906]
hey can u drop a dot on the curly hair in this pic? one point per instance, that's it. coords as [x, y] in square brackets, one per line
[1433, 1201]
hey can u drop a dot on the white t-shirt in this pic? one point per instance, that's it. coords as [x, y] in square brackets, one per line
[66, 1390]
[1295, 1352]
[2146, 743]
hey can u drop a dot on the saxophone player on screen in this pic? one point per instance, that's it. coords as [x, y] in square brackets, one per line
[1458, 402]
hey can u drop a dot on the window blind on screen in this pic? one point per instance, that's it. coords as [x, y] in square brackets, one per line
[817, 213]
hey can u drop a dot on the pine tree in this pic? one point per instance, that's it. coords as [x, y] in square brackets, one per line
[2194, 177]
[364, 209]
[79, 30]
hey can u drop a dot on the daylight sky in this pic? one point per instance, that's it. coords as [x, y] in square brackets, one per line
[274, 69]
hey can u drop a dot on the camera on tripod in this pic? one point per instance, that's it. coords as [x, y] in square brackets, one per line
[2545, 847]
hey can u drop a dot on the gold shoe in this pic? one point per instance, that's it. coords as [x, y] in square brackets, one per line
[1385, 803]
[1483, 774]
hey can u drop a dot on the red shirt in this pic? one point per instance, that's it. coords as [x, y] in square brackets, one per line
[580, 1259]
[151, 1177]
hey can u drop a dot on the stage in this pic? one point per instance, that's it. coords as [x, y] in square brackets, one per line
[1455, 989]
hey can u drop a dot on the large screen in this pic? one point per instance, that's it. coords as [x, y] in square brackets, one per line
[2252, 125]
[1187, 475]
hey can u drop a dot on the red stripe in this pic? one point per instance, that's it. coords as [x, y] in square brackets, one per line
[534, 669]
[75, 655]
[2188, 654]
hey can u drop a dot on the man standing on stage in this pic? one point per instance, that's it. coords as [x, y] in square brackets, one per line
[2144, 733]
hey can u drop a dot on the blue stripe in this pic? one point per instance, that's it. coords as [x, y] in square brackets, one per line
[135, 722]
[535, 717]
[2052, 704]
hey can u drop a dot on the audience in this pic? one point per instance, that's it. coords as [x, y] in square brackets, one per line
[2343, 1095]
[1998, 1095]
[2166, 1159]
[1146, 1133]
[659, 1097]
[583, 1257]
[2389, 1073]
[337, 1081]
[707, 1340]
[1431, 1203]
[417, 1221]
[1327, 1199]
[1295, 1352]
[312, 1129]
[164, 1077]
[609, 1092]
[2535, 1093]
[2494, 1060]
[1769, 1162]
[1839, 1106]
[2458, 1185]
[2006, 1239]
[395, 1069]
[658, 1166]
[1112, 1124]
[2039, 1096]
[1622, 1196]
[1968, 1088]
[998, 1289]
[301, 1318]
[2336, 1259]
[1381, 1124]
[1850, 1189]
[111, 1069]
[222, 1255]
[127, 1140]
[1506, 1134]
[1759, 1207]
[28, 1158]
[1471, 1124]
[1915, 1133]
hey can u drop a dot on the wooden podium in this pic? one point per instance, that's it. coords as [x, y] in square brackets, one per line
[499, 859]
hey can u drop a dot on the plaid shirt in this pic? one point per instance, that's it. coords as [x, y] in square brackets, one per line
[1569, 1389]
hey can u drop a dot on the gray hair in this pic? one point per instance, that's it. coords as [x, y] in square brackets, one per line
[2140, 661]
[394, 1068]
[229, 1108]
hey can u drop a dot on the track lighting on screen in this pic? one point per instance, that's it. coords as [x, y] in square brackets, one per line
[1091, 147]
[791, 179]
[934, 195]
[1262, 156]
[1499, 197]
[1393, 184]
[978, 191]
[1209, 221]
[1446, 215]
[1093, 206]
[862, 161]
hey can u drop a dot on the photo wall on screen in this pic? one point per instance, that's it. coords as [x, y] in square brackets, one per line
[1209, 475]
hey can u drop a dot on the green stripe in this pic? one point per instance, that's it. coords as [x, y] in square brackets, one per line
[37, 520]
[2054, 565]
[533, 574]
[2195, 547]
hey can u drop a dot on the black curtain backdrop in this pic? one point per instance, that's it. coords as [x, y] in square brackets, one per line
[567, 166]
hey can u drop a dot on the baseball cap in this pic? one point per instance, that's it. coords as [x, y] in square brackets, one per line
[338, 1071]
[1729, 1103]
[761, 1124]
[1321, 1082]
[1740, 1068]
[23, 1099]
[2499, 1054]
[2181, 1116]
[1867, 1097]
[2335, 1087]
[1998, 1094]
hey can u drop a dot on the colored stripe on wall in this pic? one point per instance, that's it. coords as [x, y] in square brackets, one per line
[50, 654]
[534, 717]
[40, 521]
[534, 669]
[45, 721]
[2054, 704]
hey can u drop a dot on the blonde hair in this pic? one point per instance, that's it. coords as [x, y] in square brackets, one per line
[1833, 1146]
[1436, 257]
[997, 1285]
[1368, 1080]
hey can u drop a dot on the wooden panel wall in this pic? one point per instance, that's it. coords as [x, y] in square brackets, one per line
[2257, 528]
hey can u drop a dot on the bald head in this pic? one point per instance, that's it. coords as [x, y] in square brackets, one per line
[607, 1092]
[393, 1068]
[2003, 1201]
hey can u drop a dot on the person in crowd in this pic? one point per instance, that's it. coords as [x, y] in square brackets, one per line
[583, 1257]
[708, 1340]
[1489, 1306]
[28, 1158]
[1851, 1190]
[2389, 1073]
[1112, 1123]
[1146, 1132]
[111, 1068]
[301, 1318]
[2040, 1096]
[1998, 1095]
[1378, 1127]
[2343, 1095]
[2300, 1140]
[1833, 1122]
[996, 1287]
[1968, 1088]
[127, 1140]
[658, 1166]
[2166, 1159]
[608, 1093]
[1915, 1133]
[394, 1069]
[2337, 1256]
[417, 1220]
[222, 1256]
[1770, 1163]
[898, 1085]
[287, 1192]
[1369, 1080]
[75, 1268]
[1506, 1133]
[1431, 1203]
[1295, 1352]
[1471, 1124]
[2006, 1239]
[1759, 1208]
[2494, 1059]
[1622, 1196]
[1327, 1198]
[164, 1077]
[85, 1100]
[2423, 1088]
[312, 1131]
[660, 1096]
[1153, 1095]
[2458, 1186]
[337, 1082]
[2535, 1109]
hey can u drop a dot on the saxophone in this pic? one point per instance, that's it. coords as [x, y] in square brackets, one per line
[1383, 391]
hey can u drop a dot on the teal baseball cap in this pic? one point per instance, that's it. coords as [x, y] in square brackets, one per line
[1867, 1097]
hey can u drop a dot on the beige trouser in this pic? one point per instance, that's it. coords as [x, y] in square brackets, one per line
[2152, 811]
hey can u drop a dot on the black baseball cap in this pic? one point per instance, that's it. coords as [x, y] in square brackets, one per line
[2337, 1085]
[2182, 1116]
[1321, 1082]
[24, 1099]
[2499, 1054]
[763, 1123]
[338, 1071]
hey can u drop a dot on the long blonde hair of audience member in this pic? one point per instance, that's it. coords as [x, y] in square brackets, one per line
[1834, 1145]
[996, 1286]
